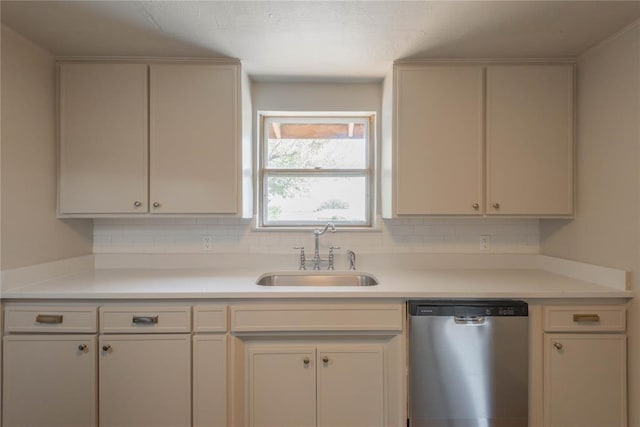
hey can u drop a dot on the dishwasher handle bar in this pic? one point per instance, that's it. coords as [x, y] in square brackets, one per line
[469, 320]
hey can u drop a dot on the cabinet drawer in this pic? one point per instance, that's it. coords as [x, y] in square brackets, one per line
[210, 318]
[584, 318]
[365, 317]
[51, 319]
[141, 320]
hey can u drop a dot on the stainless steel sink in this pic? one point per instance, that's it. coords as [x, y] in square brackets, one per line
[317, 278]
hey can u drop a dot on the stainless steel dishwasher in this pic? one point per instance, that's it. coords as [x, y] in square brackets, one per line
[468, 363]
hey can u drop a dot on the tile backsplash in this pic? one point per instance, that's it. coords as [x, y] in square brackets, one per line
[224, 235]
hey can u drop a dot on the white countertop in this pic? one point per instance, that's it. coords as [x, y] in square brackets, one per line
[188, 283]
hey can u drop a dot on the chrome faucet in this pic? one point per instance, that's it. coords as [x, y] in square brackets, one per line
[316, 251]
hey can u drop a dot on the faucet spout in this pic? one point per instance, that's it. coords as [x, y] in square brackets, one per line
[330, 226]
[316, 247]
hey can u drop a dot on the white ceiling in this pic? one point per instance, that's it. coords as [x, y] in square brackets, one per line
[307, 40]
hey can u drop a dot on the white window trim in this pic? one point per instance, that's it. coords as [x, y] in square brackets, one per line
[370, 172]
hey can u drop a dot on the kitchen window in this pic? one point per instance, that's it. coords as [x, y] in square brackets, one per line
[314, 169]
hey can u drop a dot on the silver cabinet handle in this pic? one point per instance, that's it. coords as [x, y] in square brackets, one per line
[137, 204]
[586, 317]
[83, 348]
[496, 206]
[106, 347]
[325, 359]
[557, 345]
[145, 320]
[156, 204]
[306, 361]
[50, 319]
[476, 206]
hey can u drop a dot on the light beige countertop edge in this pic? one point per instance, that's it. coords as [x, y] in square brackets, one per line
[122, 284]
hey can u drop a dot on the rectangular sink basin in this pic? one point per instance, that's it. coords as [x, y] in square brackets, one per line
[317, 279]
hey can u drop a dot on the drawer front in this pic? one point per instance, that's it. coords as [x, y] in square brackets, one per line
[365, 317]
[141, 320]
[51, 319]
[210, 318]
[597, 318]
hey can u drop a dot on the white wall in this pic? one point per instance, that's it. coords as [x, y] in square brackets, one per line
[30, 232]
[606, 230]
[420, 235]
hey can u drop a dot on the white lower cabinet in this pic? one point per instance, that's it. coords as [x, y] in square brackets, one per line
[281, 385]
[210, 368]
[350, 387]
[145, 366]
[49, 366]
[324, 385]
[585, 369]
[209, 380]
[315, 364]
[49, 380]
[145, 380]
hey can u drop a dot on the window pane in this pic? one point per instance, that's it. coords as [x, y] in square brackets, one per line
[316, 145]
[314, 199]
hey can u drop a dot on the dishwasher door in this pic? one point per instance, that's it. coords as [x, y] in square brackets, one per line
[468, 363]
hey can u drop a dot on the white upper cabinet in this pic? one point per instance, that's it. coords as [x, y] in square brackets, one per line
[439, 126]
[159, 138]
[462, 139]
[194, 131]
[103, 138]
[530, 140]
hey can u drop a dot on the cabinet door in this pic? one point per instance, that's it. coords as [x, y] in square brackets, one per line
[194, 140]
[351, 386]
[585, 380]
[209, 380]
[103, 138]
[439, 135]
[49, 381]
[281, 386]
[145, 380]
[530, 140]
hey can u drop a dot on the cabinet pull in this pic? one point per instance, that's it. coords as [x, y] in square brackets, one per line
[137, 204]
[83, 348]
[496, 206]
[325, 359]
[50, 319]
[306, 361]
[145, 320]
[106, 347]
[586, 318]
[156, 204]
[557, 345]
[476, 206]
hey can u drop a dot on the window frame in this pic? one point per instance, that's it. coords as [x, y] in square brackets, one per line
[265, 118]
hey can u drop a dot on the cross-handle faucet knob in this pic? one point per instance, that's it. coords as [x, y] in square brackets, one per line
[303, 258]
[332, 257]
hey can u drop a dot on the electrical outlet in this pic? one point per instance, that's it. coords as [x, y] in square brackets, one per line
[207, 243]
[485, 242]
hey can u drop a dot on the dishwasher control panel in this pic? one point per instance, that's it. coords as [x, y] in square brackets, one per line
[502, 308]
